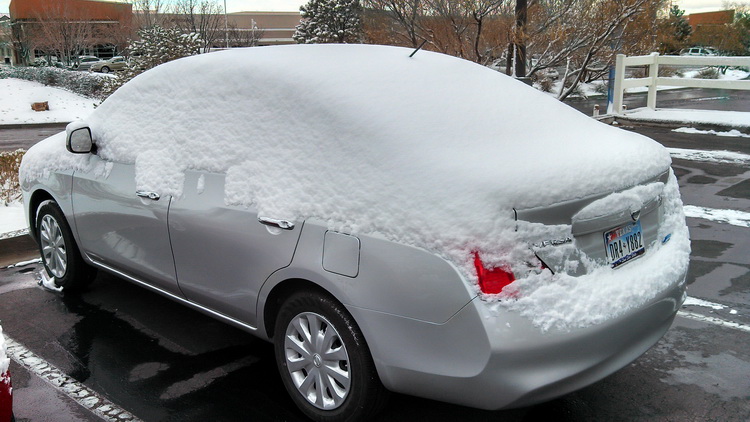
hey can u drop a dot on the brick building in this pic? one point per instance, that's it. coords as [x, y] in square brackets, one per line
[68, 28]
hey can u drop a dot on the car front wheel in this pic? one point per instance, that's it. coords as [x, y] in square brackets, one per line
[105, 69]
[60, 255]
[324, 361]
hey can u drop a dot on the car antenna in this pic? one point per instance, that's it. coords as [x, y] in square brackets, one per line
[418, 48]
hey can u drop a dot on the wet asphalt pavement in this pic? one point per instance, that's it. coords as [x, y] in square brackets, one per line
[163, 362]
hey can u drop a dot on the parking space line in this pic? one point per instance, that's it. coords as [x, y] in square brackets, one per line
[714, 321]
[66, 385]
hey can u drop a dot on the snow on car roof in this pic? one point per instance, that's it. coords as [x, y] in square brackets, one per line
[430, 150]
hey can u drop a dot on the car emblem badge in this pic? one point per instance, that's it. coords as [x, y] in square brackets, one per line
[635, 215]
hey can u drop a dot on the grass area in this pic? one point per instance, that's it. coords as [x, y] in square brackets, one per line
[10, 190]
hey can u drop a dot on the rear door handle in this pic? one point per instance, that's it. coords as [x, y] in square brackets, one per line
[282, 224]
[149, 195]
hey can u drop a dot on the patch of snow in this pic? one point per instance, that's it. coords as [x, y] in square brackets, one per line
[358, 137]
[693, 301]
[25, 263]
[630, 199]
[48, 282]
[12, 218]
[737, 119]
[733, 217]
[731, 133]
[18, 95]
[710, 156]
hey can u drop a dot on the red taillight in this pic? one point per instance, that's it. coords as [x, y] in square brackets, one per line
[494, 280]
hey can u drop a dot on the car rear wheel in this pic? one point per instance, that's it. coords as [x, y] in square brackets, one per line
[60, 255]
[324, 361]
[105, 69]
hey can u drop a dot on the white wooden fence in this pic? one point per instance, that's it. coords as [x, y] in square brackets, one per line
[654, 60]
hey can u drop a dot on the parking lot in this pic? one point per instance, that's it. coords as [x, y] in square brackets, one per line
[144, 356]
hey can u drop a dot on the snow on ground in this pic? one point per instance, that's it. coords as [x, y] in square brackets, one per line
[737, 119]
[733, 217]
[710, 156]
[18, 95]
[734, 133]
[11, 218]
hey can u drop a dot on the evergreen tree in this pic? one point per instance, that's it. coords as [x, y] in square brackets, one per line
[674, 32]
[156, 45]
[680, 26]
[330, 21]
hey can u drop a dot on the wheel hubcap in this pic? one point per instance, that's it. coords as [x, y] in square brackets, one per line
[317, 360]
[54, 252]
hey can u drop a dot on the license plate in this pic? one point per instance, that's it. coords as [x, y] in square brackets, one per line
[624, 243]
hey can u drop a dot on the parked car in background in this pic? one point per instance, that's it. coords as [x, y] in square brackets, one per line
[423, 225]
[699, 51]
[6, 388]
[85, 62]
[106, 66]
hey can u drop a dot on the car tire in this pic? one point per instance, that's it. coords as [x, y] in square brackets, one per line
[105, 69]
[337, 356]
[60, 255]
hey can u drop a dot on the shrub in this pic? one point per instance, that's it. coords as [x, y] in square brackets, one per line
[10, 190]
[82, 83]
[708, 73]
[546, 84]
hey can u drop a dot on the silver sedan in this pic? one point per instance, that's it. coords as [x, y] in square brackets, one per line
[416, 224]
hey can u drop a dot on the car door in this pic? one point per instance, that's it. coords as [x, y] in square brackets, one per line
[121, 230]
[222, 253]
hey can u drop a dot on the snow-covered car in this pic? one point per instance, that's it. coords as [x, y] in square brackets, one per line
[6, 388]
[698, 51]
[106, 66]
[420, 224]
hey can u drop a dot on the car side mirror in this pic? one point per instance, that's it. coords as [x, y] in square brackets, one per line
[79, 139]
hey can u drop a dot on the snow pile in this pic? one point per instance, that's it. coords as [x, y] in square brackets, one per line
[738, 119]
[18, 95]
[4, 360]
[709, 156]
[430, 151]
[734, 133]
[733, 217]
[11, 218]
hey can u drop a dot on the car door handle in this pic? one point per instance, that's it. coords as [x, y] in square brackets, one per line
[150, 195]
[282, 224]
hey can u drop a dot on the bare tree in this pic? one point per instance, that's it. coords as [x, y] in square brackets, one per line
[204, 17]
[148, 13]
[471, 29]
[244, 37]
[62, 31]
[585, 35]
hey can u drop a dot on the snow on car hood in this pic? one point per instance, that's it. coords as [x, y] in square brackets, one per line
[430, 150]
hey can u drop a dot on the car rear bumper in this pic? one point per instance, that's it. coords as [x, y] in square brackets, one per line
[495, 359]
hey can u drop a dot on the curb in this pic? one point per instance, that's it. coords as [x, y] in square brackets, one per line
[33, 125]
[614, 119]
